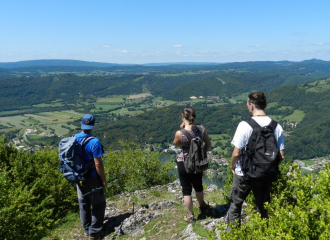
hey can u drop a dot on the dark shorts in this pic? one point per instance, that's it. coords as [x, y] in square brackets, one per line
[189, 181]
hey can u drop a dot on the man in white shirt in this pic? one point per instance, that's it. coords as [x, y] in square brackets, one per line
[241, 187]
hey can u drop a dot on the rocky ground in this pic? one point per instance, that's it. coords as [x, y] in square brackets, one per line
[157, 213]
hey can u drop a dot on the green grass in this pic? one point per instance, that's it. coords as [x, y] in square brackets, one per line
[319, 86]
[296, 116]
[285, 108]
[276, 117]
[70, 114]
[272, 105]
[308, 162]
[114, 99]
[243, 96]
[306, 172]
[34, 137]
[216, 104]
[69, 223]
[57, 104]
[138, 79]
[222, 138]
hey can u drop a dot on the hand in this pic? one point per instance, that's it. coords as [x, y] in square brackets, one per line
[104, 185]
[182, 125]
[233, 171]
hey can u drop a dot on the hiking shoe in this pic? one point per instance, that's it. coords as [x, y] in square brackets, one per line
[99, 235]
[189, 218]
[205, 206]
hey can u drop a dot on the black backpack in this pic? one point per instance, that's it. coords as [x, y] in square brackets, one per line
[72, 164]
[260, 158]
[196, 161]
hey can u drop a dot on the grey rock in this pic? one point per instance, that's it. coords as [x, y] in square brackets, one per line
[174, 236]
[211, 225]
[135, 222]
[189, 230]
[211, 188]
[195, 236]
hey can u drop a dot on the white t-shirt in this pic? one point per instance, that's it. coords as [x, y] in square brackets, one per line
[244, 131]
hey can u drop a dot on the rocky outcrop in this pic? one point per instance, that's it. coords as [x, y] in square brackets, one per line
[131, 219]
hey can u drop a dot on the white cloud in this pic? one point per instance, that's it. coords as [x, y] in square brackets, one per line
[122, 51]
[106, 46]
[318, 44]
[177, 46]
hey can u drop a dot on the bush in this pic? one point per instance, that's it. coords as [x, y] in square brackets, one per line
[299, 209]
[33, 193]
[143, 168]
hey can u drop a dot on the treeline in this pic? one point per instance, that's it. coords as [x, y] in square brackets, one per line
[160, 125]
[27, 91]
[244, 77]
[310, 139]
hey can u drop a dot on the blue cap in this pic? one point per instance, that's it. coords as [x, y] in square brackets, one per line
[87, 122]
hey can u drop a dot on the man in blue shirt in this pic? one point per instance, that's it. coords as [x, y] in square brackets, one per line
[92, 218]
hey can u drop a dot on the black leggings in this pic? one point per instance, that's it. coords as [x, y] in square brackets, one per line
[189, 180]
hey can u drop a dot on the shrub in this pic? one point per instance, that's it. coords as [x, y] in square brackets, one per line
[143, 168]
[299, 209]
[33, 193]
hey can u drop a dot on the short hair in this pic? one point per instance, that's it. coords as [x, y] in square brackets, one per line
[258, 99]
[189, 114]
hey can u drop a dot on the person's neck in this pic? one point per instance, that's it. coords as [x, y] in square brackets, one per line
[187, 125]
[259, 113]
[87, 131]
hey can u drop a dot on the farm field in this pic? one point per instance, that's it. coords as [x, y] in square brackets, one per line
[57, 122]
[296, 116]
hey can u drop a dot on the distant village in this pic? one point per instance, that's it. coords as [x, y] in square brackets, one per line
[319, 164]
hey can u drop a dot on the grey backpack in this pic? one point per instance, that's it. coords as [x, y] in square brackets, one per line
[196, 161]
[73, 166]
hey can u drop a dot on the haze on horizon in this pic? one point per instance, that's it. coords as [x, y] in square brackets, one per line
[173, 31]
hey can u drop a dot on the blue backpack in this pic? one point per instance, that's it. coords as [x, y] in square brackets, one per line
[73, 166]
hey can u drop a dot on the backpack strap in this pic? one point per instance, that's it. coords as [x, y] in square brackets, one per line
[85, 140]
[186, 133]
[273, 125]
[252, 123]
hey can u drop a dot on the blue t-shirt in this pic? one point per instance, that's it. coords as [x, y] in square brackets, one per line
[93, 149]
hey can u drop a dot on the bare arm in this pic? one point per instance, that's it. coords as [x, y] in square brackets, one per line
[100, 170]
[282, 155]
[234, 159]
[207, 141]
[177, 139]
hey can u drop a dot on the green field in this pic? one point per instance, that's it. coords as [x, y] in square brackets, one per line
[296, 116]
[306, 172]
[285, 108]
[43, 122]
[276, 117]
[308, 162]
[272, 105]
[242, 97]
[319, 86]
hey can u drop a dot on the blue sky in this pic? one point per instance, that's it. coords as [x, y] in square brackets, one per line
[148, 31]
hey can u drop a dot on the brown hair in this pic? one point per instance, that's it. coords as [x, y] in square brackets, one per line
[258, 99]
[189, 114]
